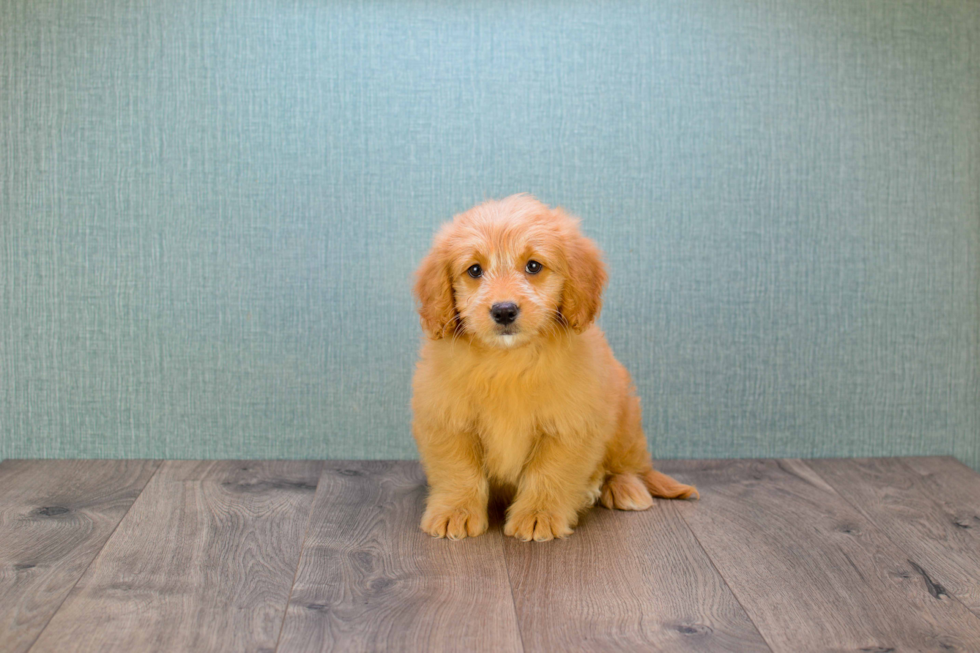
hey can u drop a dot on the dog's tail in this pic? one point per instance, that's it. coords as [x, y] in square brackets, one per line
[663, 486]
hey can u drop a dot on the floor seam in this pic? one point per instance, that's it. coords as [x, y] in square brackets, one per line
[160, 463]
[908, 556]
[299, 560]
[510, 584]
[731, 589]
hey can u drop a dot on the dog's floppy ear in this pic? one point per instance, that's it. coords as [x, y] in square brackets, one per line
[434, 289]
[582, 296]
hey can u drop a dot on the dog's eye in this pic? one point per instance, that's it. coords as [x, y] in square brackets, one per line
[533, 267]
[475, 271]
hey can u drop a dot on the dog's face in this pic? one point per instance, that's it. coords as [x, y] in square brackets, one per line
[506, 272]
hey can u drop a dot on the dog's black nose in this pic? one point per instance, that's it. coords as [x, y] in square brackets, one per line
[504, 312]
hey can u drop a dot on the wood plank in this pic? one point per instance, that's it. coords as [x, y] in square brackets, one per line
[371, 580]
[949, 479]
[55, 515]
[810, 570]
[626, 581]
[203, 561]
[935, 516]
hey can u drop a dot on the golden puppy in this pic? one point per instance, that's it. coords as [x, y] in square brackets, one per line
[516, 389]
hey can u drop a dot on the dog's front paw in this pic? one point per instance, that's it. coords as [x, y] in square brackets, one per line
[454, 522]
[537, 525]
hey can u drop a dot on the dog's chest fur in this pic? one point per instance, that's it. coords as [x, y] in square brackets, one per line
[518, 397]
[509, 420]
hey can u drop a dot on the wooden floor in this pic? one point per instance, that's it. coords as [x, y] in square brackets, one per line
[781, 555]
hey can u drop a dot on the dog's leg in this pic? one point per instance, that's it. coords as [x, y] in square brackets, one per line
[625, 492]
[631, 478]
[458, 489]
[556, 484]
[629, 491]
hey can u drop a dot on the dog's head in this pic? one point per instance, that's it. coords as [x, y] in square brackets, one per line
[508, 271]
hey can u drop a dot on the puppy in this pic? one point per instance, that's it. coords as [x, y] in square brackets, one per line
[516, 390]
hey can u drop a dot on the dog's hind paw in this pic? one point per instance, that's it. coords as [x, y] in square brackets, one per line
[625, 492]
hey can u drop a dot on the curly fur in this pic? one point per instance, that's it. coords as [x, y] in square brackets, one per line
[539, 410]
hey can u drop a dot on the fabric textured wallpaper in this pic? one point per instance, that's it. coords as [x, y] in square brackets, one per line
[210, 212]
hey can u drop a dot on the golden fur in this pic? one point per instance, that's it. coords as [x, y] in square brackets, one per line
[539, 410]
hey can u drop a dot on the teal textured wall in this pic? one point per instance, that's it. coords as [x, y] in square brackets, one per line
[210, 211]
